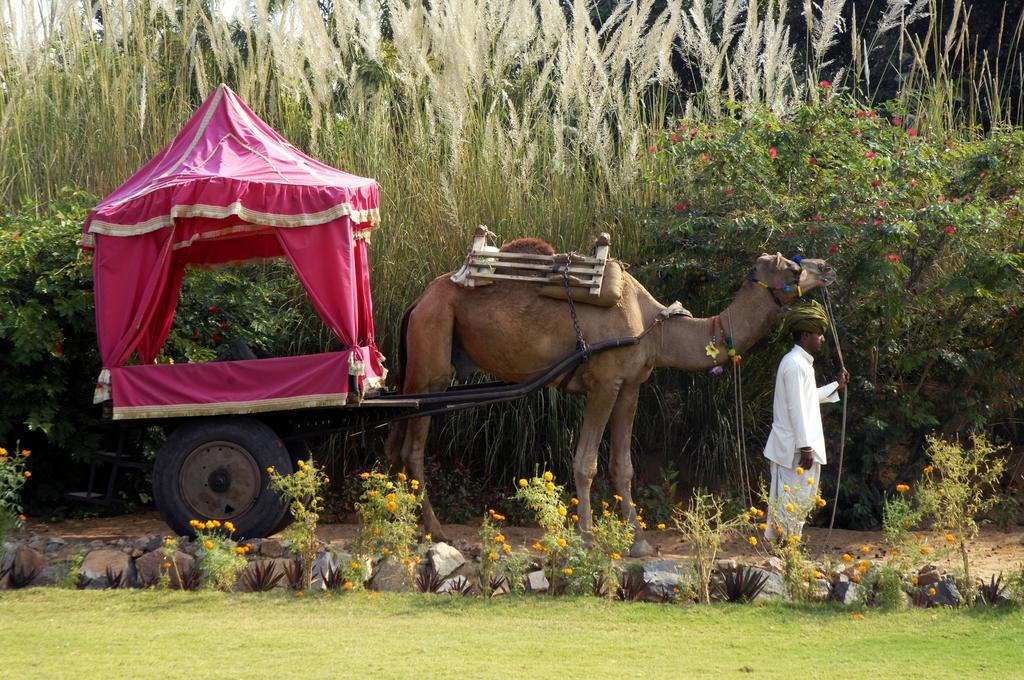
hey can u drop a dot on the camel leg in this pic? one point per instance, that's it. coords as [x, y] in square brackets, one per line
[621, 463]
[412, 458]
[393, 447]
[600, 401]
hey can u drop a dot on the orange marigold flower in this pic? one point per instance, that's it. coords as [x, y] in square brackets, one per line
[567, 571]
[950, 538]
[847, 557]
[523, 483]
[548, 477]
[500, 538]
[857, 617]
[865, 549]
[506, 547]
[492, 555]
[575, 518]
[391, 506]
[401, 476]
[574, 501]
[27, 474]
[789, 507]
[931, 591]
[25, 453]
[348, 585]
[561, 543]
[240, 550]
[927, 470]
[385, 550]
[364, 475]
[925, 550]
[550, 486]
[616, 556]
[799, 470]
[855, 578]
[208, 545]
[661, 526]
[902, 488]
[752, 540]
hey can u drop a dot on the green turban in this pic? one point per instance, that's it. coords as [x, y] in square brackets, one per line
[806, 316]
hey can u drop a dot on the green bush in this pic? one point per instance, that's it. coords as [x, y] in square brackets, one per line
[927, 236]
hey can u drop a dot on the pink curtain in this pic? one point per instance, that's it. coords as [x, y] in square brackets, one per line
[136, 288]
[323, 260]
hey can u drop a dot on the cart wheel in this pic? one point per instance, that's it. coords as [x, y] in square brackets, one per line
[217, 469]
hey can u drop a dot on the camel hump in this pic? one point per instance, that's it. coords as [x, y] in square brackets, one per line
[528, 245]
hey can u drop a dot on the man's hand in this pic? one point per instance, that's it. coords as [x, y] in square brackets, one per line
[844, 377]
[806, 457]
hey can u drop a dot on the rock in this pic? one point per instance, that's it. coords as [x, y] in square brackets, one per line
[773, 587]
[445, 558]
[38, 543]
[928, 575]
[455, 585]
[537, 582]
[821, 589]
[946, 594]
[773, 564]
[664, 579]
[271, 547]
[97, 562]
[53, 547]
[24, 562]
[391, 576]
[846, 592]
[149, 567]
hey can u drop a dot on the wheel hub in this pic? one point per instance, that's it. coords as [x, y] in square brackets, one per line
[220, 480]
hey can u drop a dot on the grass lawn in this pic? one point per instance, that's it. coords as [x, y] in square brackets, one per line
[48, 633]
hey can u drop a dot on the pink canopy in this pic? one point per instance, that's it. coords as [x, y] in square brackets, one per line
[230, 189]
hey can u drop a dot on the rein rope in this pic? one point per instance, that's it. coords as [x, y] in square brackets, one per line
[846, 401]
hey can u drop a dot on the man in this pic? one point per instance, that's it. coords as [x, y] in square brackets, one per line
[796, 445]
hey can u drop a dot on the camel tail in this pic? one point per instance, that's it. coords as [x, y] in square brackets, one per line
[403, 330]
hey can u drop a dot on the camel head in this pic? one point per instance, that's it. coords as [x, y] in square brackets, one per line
[787, 280]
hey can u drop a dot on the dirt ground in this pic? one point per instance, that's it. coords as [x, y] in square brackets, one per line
[994, 550]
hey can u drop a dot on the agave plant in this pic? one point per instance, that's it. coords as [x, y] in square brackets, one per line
[991, 593]
[117, 579]
[461, 586]
[261, 576]
[632, 588]
[19, 577]
[332, 578]
[738, 583]
[428, 580]
[499, 583]
[189, 580]
[293, 573]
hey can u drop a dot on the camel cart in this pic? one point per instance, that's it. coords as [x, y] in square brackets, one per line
[229, 189]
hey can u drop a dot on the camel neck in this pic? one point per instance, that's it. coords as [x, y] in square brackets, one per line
[682, 342]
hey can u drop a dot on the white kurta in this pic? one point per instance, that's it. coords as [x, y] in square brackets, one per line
[796, 423]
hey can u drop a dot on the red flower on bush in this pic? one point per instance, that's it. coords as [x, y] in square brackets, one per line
[912, 132]
[833, 249]
[216, 337]
[824, 84]
[705, 158]
[772, 153]
[896, 122]
[878, 222]
[856, 131]
[675, 138]
[949, 230]
[680, 207]
[213, 309]
[817, 217]
[58, 348]
[893, 257]
[812, 230]
[913, 182]
[861, 114]
[225, 325]
[652, 149]
[812, 160]
[876, 182]
[869, 154]
[729, 191]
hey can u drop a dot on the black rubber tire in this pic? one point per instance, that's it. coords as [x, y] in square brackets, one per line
[247, 435]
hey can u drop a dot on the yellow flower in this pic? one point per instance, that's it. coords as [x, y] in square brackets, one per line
[785, 487]
[567, 571]
[865, 549]
[371, 494]
[847, 557]
[506, 547]
[492, 555]
[385, 550]
[901, 488]
[616, 556]
[407, 561]
[794, 539]
[752, 540]
[298, 593]
[327, 480]
[3, 451]
[500, 538]
[561, 543]
[550, 486]
[820, 502]
[240, 550]
[389, 485]
[364, 475]
[27, 474]
[376, 530]
[22, 517]
[427, 538]
[816, 574]
[931, 591]
[862, 567]
[913, 580]
[548, 477]
[575, 518]
[762, 526]
[661, 526]
[810, 481]
[799, 470]
[857, 617]
[643, 525]
[348, 585]
[617, 497]
[401, 476]
[229, 526]
[523, 483]
[208, 545]
[414, 485]
[950, 538]
[270, 470]
[927, 470]
[925, 550]
[942, 492]
[25, 453]
[209, 524]
[855, 578]
[391, 506]
[378, 475]
[574, 501]
[562, 511]
[789, 507]
[410, 496]
[390, 496]
[355, 566]
[538, 546]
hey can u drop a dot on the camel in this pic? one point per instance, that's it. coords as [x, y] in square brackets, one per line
[512, 333]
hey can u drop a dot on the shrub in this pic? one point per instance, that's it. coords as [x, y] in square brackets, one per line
[959, 485]
[303, 491]
[389, 510]
[12, 477]
[500, 563]
[705, 528]
[219, 559]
